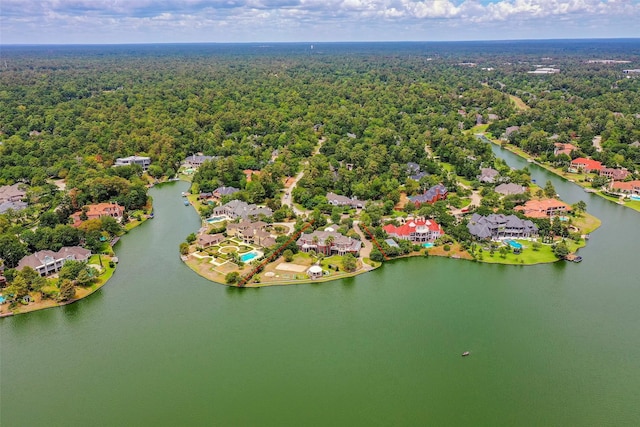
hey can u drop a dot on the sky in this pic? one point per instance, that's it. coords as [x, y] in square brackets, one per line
[226, 21]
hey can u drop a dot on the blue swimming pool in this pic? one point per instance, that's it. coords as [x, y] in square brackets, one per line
[248, 256]
[634, 197]
[216, 219]
[513, 244]
[427, 245]
[2, 299]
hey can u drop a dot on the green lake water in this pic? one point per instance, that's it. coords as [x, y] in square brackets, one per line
[550, 345]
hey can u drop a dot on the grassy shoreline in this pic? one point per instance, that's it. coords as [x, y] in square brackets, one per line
[577, 179]
[81, 293]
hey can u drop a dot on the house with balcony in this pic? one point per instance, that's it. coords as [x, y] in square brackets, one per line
[328, 243]
[498, 226]
[545, 208]
[48, 262]
[418, 230]
[144, 162]
[584, 165]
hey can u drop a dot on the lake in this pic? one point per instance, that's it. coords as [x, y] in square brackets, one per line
[551, 344]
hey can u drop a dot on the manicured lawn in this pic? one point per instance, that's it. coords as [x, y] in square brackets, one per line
[528, 256]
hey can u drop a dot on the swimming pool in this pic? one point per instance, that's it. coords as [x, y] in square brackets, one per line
[248, 256]
[634, 197]
[427, 245]
[216, 219]
[513, 244]
[2, 299]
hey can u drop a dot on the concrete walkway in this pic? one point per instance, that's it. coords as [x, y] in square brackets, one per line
[367, 246]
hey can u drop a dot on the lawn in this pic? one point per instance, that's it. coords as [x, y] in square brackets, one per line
[528, 256]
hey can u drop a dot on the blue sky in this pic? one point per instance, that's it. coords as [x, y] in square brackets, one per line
[165, 21]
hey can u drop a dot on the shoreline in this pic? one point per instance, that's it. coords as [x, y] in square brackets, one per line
[46, 304]
[561, 174]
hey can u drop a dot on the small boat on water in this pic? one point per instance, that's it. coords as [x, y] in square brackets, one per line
[466, 353]
[186, 203]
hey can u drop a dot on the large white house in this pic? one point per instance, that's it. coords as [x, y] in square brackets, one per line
[49, 262]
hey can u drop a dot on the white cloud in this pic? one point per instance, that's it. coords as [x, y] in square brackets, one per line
[37, 20]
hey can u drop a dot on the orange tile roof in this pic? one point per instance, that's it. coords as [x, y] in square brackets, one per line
[540, 208]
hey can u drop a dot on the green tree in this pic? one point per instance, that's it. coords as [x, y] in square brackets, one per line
[560, 250]
[349, 262]
[184, 248]
[232, 278]
[67, 290]
[288, 255]
[549, 189]
[11, 250]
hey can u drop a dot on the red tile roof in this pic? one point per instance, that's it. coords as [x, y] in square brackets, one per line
[410, 227]
[587, 164]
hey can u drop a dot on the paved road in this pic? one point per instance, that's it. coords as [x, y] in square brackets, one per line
[365, 252]
[286, 196]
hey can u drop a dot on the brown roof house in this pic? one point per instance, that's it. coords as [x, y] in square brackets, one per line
[98, 211]
[206, 240]
[328, 243]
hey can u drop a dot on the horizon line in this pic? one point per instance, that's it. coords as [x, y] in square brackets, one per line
[322, 42]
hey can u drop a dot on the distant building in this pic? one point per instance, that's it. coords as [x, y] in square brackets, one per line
[49, 262]
[206, 240]
[239, 209]
[488, 175]
[562, 148]
[220, 192]
[417, 230]
[432, 195]
[251, 233]
[196, 160]
[144, 162]
[338, 200]
[510, 188]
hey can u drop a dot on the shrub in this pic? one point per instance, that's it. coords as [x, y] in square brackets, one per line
[447, 248]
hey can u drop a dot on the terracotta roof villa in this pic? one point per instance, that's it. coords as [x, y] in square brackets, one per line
[99, 210]
[510, 188]
[432, 195]
[629, 187]
[545, 208]
[319, 241]
[562, 148]
[48, 262]
[418, 230]
[585, 165]
[239, 209]
[496, 226]
[338, 200]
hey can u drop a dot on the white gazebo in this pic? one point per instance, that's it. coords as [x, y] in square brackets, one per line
[314, 272]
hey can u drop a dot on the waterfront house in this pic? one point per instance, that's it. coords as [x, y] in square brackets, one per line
[582, 164]
[497, 226]
[418, 230]
[98, 211]
[629, 187]
[48, 262]
[614, 173]
[562, 148]
[510, 188]
[510, 130]
[328, 243]
[144, 162]
[338, 200]
[432, 195]
[545, 208]
[206, 240]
